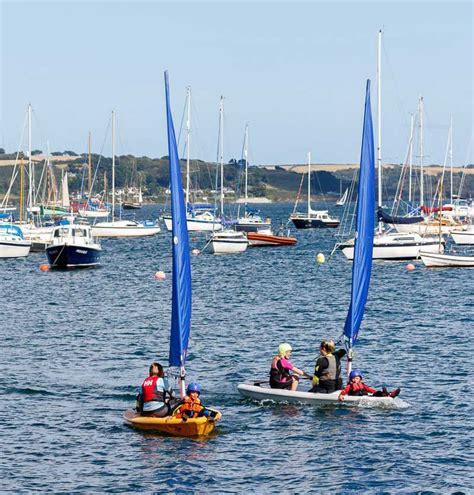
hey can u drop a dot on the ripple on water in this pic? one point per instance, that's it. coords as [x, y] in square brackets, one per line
[75, 346]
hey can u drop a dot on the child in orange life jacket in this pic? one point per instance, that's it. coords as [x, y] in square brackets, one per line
[357, 387]
[191, 406]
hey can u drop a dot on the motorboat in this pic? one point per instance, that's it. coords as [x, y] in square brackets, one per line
[73, 246]
[314, 219]
[441, 260]
[265, 237]
[12, 242]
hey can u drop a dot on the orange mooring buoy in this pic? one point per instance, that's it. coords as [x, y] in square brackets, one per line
[44, 267]
[410, 267]
[160, 276]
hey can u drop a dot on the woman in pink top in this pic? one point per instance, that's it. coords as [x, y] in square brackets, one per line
[282, 372]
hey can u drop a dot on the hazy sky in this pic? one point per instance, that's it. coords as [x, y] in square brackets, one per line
[295, 71]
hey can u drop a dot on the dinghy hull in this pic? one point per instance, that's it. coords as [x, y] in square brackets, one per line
[195, 427]
[257, 392]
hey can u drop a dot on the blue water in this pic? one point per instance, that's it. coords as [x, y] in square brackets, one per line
[75, 345]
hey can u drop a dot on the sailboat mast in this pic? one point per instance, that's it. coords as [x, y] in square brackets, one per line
[309, 182]
[410, 158]
[422, 179]
[21, 189]
[113, 165]
[246, 150]
[379, 125]
[221, 151]
[188, 131]
[30, 164]
[451, 159]
[89, 182]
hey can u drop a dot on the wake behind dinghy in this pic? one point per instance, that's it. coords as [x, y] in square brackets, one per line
[181, 306]
[361, 271]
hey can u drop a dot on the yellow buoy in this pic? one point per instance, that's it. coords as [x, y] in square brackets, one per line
[320, 258]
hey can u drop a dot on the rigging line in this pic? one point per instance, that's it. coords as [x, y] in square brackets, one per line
[15, 170]
[100, 156]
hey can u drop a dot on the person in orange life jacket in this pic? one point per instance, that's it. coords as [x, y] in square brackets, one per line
[191, 406]
[327, 370]
[283, 374]
[157, 398]
[357, 387]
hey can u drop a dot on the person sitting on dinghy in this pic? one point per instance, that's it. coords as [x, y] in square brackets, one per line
[357, 387]
[327, 370]
[157, 394]
[192, 407]
[282, 372]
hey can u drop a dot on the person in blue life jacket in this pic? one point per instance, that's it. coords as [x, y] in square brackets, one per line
[327, 370]
[156, 397]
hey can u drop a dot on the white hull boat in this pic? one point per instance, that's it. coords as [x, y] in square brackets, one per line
[463, 236]
[423, 228]
[433, 260]
[258, 392]
[38, 236]
[124, 228]
[93, 213]
[12, 242]
[228, 242]
[396, 246]
[198, 223]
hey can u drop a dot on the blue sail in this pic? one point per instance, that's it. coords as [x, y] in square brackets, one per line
[181, 306]
[364, 241]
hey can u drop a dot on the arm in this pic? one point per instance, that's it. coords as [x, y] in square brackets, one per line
[368, 389]
[321, 364]
[344, 392]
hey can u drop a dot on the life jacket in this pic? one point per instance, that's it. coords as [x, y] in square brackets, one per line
[150, 392]
[357, 389]
[333, 370]
[188, 405]
[277, 372]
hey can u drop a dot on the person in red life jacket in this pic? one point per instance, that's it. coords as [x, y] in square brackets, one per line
[192, 407]
[283, 374]
[157, 398]
[327, 370]
[357, 387]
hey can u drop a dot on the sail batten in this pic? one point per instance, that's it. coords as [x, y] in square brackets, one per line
[364, 241]
[181, 294]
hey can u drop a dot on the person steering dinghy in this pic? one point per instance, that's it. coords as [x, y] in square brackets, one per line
[156, 398]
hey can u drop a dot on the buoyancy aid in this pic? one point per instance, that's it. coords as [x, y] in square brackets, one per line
[150, 390]
[278, 372]
[188, 405]
[360, 389]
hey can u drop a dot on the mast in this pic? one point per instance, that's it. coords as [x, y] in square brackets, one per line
[246, 150]
[451, 159]
[21, 188]
[113, 165]
[188, 131]
[309, 182]
[422, 188]
[410, 158]
[379, 125]
[221, 151]
[89, 182]
[30, 164]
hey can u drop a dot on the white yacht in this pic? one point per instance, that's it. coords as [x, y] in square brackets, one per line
[12, 242]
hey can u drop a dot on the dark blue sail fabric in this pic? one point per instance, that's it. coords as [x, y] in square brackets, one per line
[385, 217]
[181, 306]
[364, 241]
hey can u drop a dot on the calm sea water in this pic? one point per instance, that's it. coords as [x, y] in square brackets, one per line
[75, 346]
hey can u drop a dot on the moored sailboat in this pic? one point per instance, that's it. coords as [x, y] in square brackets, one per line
[181, 303]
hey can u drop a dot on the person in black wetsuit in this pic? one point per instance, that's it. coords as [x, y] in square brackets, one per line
[327, 371]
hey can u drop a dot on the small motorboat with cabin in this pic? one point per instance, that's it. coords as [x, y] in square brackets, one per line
[73, 246]
[12, 242]
[314, 219]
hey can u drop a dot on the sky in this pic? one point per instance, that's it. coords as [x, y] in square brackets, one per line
[294, 71]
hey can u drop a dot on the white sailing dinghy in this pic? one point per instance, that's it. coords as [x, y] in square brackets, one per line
[361, 270]
[181, 304]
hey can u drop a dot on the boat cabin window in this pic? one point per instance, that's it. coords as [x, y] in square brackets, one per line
[412, 239]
